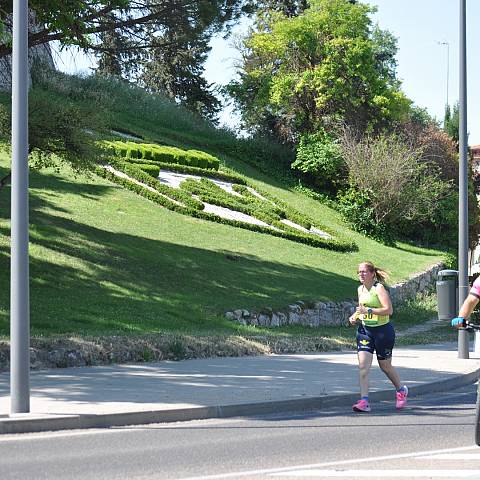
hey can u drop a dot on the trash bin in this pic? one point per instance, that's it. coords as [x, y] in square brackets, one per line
[447, 294]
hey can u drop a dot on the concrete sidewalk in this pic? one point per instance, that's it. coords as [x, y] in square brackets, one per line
[221, 387]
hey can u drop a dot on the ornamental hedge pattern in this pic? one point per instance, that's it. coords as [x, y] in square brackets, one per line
[189, 198]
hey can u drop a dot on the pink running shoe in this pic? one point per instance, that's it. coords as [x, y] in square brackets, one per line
[361, 406]
[402, 397]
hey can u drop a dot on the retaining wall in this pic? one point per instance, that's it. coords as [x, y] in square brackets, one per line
[318, 314]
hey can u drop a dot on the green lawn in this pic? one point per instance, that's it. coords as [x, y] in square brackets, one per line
[106, 261]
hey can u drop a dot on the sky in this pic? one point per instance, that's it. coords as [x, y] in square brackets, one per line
[427, 33]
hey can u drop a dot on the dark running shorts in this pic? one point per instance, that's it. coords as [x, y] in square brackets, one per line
[376, 339]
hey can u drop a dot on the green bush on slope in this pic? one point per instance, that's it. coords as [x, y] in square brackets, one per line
[162, 153]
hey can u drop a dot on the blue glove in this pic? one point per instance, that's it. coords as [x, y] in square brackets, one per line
[458, 321]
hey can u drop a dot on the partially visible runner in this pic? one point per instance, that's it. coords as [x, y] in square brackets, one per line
[468, 305]
[375, 333]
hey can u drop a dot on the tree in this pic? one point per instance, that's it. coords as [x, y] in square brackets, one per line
[110, 61]
[82, 22]
[451, 122]
[175, 64]
[324, 66]
[60, 129]
[127, 36]
[289, 8]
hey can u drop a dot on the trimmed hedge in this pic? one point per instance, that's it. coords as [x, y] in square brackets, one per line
[290, 213]
[135, 172]
[163, 153]
[140, 190]
[212, 193]
[152, 170]
[173, 167]
[264, 210]
[318, 242]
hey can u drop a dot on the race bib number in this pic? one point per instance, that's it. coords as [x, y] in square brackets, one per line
[369, 318]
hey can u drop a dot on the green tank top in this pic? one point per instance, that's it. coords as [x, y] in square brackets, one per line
[370, 299]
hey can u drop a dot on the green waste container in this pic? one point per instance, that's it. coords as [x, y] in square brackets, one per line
[447, 294]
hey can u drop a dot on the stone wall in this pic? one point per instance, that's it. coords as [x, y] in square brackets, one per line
[333, 313]
[41, 53]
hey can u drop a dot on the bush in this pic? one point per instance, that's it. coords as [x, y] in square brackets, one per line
[147, 153]
[133, 150]
[356, 207]
[205, 160]
[165, 154]
[399, 188]
[58, 130]
[319, 156]
[436, 146]
[152, 170]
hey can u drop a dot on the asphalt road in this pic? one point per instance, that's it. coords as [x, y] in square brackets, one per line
[432, 438]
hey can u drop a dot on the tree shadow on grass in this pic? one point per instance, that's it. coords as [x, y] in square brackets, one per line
[121, 282]
[86, 279]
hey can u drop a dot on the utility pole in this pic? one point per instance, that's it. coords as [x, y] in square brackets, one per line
[463, 349]
[448, 66]
[19, 277]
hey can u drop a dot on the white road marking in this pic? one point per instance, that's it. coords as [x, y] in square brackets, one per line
[453, 456]
[268, 471]
[19, 437]
[383, 473]
[22, 437]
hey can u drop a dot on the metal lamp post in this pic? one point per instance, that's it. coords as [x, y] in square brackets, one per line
[19, 279]
[447, 44]
[463, 349]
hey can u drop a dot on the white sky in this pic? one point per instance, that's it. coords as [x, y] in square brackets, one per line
[419, 26]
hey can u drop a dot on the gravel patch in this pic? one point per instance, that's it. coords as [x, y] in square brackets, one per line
[234, 215]
[125, 135]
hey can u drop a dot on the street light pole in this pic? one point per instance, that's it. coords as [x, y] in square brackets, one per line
[19, 276]
[448, 65]
[463, 350]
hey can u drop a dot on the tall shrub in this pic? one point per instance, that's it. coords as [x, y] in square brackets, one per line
[405, 193]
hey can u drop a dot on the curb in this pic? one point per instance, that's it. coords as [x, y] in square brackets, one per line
[30, 423]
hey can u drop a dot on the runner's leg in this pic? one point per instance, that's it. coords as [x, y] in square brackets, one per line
[364, 364]
[390, 371]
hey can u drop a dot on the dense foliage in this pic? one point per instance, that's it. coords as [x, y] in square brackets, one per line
[60, 129]
[162, 153]
[451, 122]
[82, 22]
[319, 156]
[325, 65]
[396, 191]
[163, 43]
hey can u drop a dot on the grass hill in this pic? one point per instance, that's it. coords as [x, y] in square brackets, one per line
[105, 261]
